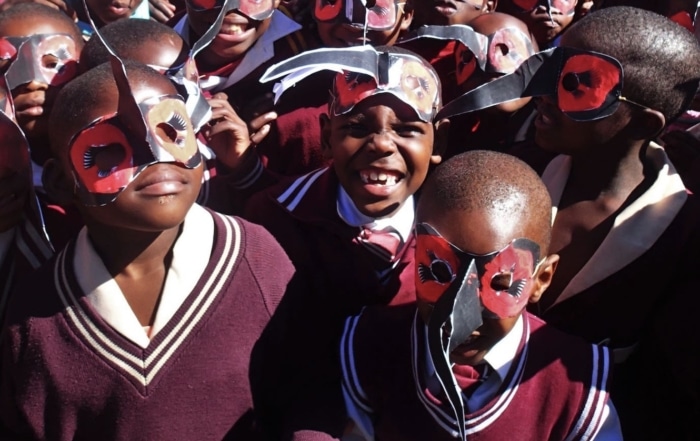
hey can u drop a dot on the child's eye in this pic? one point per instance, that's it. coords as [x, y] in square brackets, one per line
[408, 130]
[105, 157]
[50, 61]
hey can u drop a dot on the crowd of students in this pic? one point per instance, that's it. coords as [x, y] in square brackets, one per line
[348, 219]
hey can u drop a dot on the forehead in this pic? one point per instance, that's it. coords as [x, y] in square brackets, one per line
[163, 51]
[380, 105]
[19, 27]
[476, 231]
[487, 24]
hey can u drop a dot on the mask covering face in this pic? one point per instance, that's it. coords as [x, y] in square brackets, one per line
[50, 59]
[364, 72]
[585, 85]
[109, 153]
[377, 15]
[461, 288]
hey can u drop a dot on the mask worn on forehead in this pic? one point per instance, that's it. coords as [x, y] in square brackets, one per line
[254, 9]
[566, 7]
[585, 85]
[50, 59]
[107, 156]
[380, 16]
[364, 72]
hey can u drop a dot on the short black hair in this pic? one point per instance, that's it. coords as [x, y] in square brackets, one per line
[492, 182]
[38, 12]
[660, 59]
[79, 96]
[124, 37]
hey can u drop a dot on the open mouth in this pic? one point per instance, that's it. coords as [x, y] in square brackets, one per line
[233, 28]
[380, 177]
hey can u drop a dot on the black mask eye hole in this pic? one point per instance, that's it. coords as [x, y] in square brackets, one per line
[570, 82]
[502, 281]
[467, 56]
[502, 48]
[105, 157]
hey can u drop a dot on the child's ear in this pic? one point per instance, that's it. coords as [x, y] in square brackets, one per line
[543, 278]
[648, 123]
[325, 124]
[490, 6]
[442, 129]
[406, 18]
[58, 186]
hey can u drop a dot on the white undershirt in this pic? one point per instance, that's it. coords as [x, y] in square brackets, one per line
[191, 254]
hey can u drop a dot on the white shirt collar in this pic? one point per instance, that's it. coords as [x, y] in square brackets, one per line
[400, 220]
[191, 254]
[635, 229]
[262, 51]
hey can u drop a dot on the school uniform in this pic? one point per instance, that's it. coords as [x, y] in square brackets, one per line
[541, 383]
[318, 226]
[23, 249]
[77, 364]
[630, 293]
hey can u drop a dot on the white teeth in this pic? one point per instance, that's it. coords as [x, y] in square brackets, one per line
[378, 178]
[235, 28]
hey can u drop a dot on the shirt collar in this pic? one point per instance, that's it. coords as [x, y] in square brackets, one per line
[191, 254]
[499, 357]
[400, 220]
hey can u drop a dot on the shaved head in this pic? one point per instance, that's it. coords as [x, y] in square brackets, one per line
[498, 185]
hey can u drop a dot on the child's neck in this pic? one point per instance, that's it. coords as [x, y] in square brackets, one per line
[138, 261]
[614, 177]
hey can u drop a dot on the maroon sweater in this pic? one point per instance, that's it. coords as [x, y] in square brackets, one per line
[306, 223]
[556, 386]
[66, 374]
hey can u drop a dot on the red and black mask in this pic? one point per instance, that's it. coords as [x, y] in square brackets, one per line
[50, 59]
[585, 85]
[364, 72]
[378, 15]
[254, 9]
[566, 7]
[108, 155]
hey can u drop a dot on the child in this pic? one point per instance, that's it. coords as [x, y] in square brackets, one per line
[468, 362]
[546, 19]
[141, 312]
[24, 245]
[349, 225]
[45, 35]
[622, 211]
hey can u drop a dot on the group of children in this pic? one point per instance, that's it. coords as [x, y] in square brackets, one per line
[365, 220]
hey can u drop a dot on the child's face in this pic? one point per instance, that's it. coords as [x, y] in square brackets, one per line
[449, 12]
[509, 46]
[107, 11]
[544, 22]
[159, 197]
[34, 99]
[381, 152]
[479, 233]
[237, 34]
[556, 132]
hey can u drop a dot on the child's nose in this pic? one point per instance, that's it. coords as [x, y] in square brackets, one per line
[35, 85]
[382, 143]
